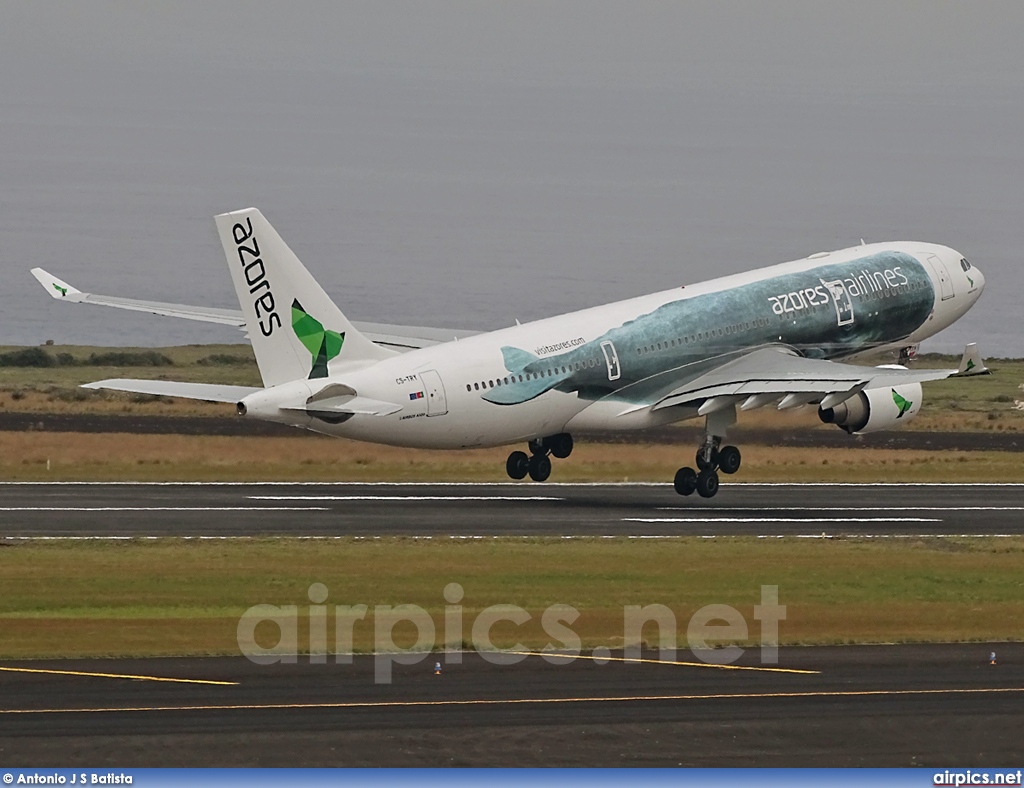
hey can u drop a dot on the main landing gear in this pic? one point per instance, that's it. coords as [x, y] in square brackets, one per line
[705, 483]
[711, 458]
[537, 464]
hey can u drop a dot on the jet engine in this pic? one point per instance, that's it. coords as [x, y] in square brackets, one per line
[875, 409]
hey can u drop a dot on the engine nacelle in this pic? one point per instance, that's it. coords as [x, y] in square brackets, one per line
[872, 410]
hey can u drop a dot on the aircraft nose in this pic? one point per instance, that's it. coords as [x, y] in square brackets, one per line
[979, 280]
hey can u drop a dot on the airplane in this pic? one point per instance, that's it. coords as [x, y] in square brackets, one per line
[780, 336]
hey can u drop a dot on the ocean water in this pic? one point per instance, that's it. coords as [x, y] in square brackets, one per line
[468, 165]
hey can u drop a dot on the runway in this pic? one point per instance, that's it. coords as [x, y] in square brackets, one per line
[861, 705]
[875, 511]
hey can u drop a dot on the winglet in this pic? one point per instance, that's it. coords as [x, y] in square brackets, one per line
[972, 362]
[54, 286]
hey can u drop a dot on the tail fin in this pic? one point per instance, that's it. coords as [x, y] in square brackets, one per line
[972, 363]
[295, 329]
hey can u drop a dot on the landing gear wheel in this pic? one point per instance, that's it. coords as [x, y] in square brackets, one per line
[707, 484]
[540, 467]
[517, 465]
[685, 481]
[702, 464]
[729, 459]
[560, 445]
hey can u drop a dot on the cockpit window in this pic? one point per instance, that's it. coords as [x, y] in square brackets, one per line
[964, 264]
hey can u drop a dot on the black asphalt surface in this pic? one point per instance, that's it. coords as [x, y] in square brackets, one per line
[866, 705]
[76, 510]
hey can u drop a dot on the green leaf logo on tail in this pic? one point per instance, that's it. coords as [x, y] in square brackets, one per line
[902, 403]
[322, 343]
[62, 290]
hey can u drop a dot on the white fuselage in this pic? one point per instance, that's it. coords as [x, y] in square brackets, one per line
[451, 394]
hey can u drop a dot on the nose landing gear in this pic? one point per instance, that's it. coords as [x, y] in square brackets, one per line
[537, 464]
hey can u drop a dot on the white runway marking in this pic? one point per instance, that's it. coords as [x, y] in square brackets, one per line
[163, 509]
[494, 537]
[843, 536]
[405, 498]
[853, 509]
[780, 520]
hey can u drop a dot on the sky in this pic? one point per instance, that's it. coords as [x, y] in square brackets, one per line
[470, 164]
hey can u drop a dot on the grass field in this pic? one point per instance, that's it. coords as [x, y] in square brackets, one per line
[173, 597]
[42, 456]
[143, 598]
[980, 404]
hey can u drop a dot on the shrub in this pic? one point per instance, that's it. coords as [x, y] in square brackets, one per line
[225, 359]
[27, 357]
[120, 358]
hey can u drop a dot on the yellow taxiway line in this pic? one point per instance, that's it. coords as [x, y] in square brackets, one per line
[525, 701]
[119, 676]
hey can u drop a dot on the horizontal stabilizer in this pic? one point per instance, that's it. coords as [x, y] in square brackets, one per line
[210, 392]
[361, 406]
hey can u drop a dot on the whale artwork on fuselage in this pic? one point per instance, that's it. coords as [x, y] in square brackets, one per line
[780, 336]
[893, 290]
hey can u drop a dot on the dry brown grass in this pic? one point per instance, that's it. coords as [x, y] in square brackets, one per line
[41, 456]
[979, 404]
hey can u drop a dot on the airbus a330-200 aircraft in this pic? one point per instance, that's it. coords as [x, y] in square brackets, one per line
[773, 336]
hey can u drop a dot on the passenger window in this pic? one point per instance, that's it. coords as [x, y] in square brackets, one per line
[476, 386]
[468, 387]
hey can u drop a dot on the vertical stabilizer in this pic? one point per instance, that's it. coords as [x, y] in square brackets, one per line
[972, 363]
[295, 329]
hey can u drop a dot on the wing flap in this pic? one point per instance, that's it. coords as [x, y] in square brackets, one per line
[777, 371]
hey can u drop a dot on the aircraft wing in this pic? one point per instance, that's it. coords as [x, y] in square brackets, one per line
[410, 337]
[62, 291]
[770, 374]
[401, 338]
